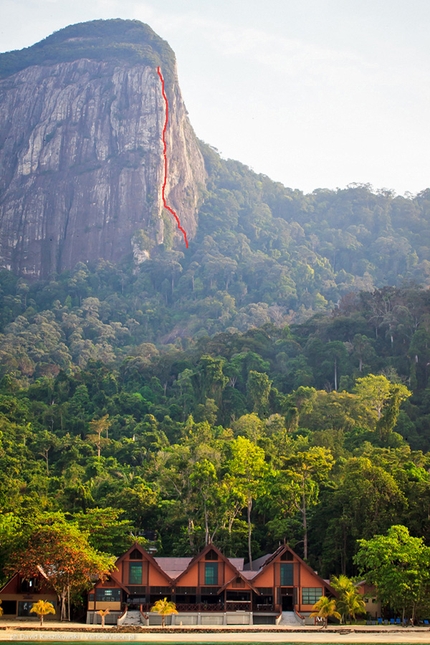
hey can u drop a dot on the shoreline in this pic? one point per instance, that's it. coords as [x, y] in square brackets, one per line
[21, 632]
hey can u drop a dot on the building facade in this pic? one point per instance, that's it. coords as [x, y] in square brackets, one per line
[209, 588]
[18, 596]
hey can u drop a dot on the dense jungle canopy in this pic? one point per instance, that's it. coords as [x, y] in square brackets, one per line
[271, 382]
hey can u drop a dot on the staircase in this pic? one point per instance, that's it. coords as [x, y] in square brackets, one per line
[132, 617]
[289, 619]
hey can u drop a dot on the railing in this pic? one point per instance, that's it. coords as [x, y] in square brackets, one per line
[200, 607]
[187, 607]
[238, 606]
[258, 608]
[122, 617]
[145, 607]
[300, 617]
[211, 607]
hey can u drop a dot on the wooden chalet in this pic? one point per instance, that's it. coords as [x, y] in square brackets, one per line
[284, 581]
[209, 588]
[18, 596]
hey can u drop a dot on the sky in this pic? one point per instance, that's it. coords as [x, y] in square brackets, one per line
[312, 93]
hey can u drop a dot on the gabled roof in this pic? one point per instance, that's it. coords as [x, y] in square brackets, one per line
[173, 567]
[199, 556]
[146, 556]
[258, 563]
[15, 575]
[283, 549]
[239, 574]
[45, 586]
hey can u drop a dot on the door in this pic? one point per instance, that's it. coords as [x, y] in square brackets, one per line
[287, 601]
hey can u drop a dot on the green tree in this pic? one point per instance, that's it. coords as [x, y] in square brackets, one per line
[387, 423]
[399, 566]
[203, 478]
[98, 427]
[374, 391]
[366, 500]
[304, 472]
[258, 390]
[248, 467]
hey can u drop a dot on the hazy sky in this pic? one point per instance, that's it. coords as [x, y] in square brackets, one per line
[312, 93]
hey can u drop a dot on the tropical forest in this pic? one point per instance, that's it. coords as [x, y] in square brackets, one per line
[269, 384]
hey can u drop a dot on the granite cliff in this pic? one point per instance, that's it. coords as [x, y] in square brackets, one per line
[81, 155]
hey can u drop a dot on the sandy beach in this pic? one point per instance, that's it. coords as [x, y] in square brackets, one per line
[24, 632]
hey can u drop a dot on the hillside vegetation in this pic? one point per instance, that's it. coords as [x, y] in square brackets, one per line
[270, 383]
[321, 426]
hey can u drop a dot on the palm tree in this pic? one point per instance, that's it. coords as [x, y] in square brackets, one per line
[353, 603]
[164, 608]
[325, 608]
[103, 613]
[42, 608]
[350, 602]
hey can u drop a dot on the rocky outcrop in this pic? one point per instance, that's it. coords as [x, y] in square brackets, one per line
[81, 161]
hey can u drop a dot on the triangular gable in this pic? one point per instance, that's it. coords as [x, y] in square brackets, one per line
[145, 556]
[100, 585]
[248, 583]
[11, 585]
[200, 556]
[279, 552]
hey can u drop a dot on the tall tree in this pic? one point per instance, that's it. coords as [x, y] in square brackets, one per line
[248, 467]
[305, 471]
[98, 427]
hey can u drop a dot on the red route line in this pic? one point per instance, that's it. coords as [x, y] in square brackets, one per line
[163, 190]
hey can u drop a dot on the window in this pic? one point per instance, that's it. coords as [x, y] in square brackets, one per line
[211, 573]
[287, 576]
[311, 595]
[211, 555]
[136, 555]
[106, 595]
[135, 573]
[29, 586]
[9, 607]
[24, 608]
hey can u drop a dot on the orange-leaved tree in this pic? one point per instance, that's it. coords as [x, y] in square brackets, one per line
[60, 553]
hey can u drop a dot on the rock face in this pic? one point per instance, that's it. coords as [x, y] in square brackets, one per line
[81, 164]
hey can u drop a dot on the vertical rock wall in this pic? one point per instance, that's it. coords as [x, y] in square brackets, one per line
[81, 166]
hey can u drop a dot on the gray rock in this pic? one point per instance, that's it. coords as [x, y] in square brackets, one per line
[81, 166]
